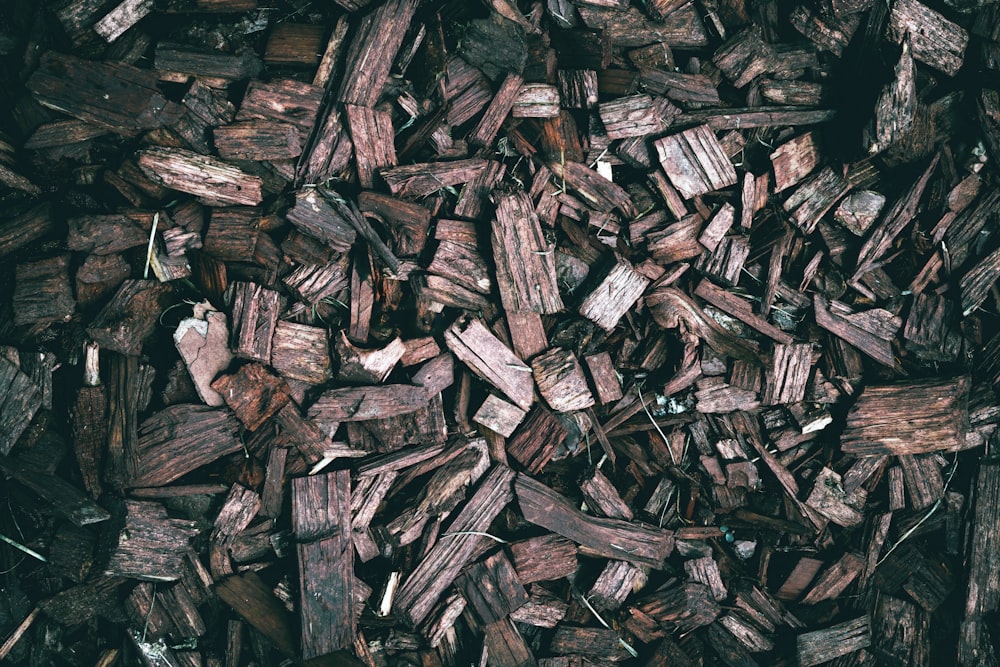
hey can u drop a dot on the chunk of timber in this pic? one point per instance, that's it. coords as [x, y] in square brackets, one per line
[604, 378]
[66, 499]
[560, 380]
[321, 523]
[119, 97]
[408, 223]
[110, 233]
[787, 374]
[910, 418]
[632, 116]
[42, 292]
[179, 439]
[130, 316]
[283, 100]
[506, 647]
[858, 210]
[201, 175]
[608, 538]
[419, 180]
[295, 44]
[177, 58]
[794, 160]
[89, 416]
[819, 646]
[746, 118]
[983, 593]
[829, 499]
[148, 544]
[25, 228]
[870, 331]
[491, 589]
[935, 40]
[203, 343]
[499, 416]
[537, 439]
[830, 32]
[681, 28]
[237, 512]
[597, 191]
[542, 610]
[253, 393]
[695, 162]
[313, 216]
[499, 108]
[351, 404]
[257, 140]
[545, 558]
[254, 600]
[372, 135]
[232, 233]
[741, 309]
[745, 56]
[577, 88]
[371, 53]
[835, 579]
[456, 546]
[463, 265]
[255, 316]
[614, 296]
[301, 352]
[896, 108]
[366, 366]
[474, 345]
[116, 22]
[600, 645]
[977, 283]
[526, 269]
[603, 498]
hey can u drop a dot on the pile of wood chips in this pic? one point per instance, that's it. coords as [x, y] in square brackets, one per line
[551, 332]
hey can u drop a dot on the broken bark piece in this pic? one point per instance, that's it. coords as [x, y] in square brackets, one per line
[419, 180]
[610, 538]
[257, 140]
[179, 439]
[536, 440]
[371, 52]
[614, 296]
[695, 162]
[252, 599]
[203, 343]
[821, 646]
[321, 522]
[560, 380]
[602, 496]
[42, 293]
[439, 568]
[365, 403]
[294, 44]
[526, 273]
[597, 191]
[491, 588]
[896, 107]
[107, 234]
[253, 394]
[500, 106]
[632, 116]
[498, 415]
[602, 645]
[232, 233]
[605, 379]
[301, 352]
[910, 418]
[794, 160]
[740, 309]
[66, 499]
[545, 558]
[787, 374]
[536, 100]
[371, 366]
[744, 57]
[473, 344]
[130, 316]
[313, 216]
[870, 331]
[149, 546]
[936, 41]
[24, 229]
[372, 135]
[201, 175]
[255, 316]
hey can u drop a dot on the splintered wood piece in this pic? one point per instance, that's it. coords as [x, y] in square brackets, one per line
[313, 216]
[491, 589]
[544, 558]
[24, 229]
[150, 546]
[725, 263]
[506, 647]
[827, 31]
[608, 538]
[536, 100]
[600, 645]
[174, 58]
[253, 393]
[744, 57]
[695, 162]
[272, 494]
[109, 233]
[314, 282]
[232, 233]
[294, 44]
[788, 374]
[116, 96]
[500, 106]
[498, 415]
[366, 366]
[283, 100]
[741, 309]
[911, 418]
[442, 564]
[351, 404]
[983, 590]
[616, 582]
[717, 228]
[257, 140]
[799, 578]
[179, 439]
[605, 379]
[977, 283]
[794, 160]
[829, 499]
[631, 116]
[858, 210]
[42, 293]
[301, 352]
[614, 296]
[598, 192]
[536, 440]
[815, 197]
[254, 600]
[473, 344]
[255, 316]
[870, 331]
[407, 222]
[896, 107]
[372, 51]
[130, 316]
[201, 175]
[414, 181]
[560, 380]
[936, 41]
[116, 22]
[681, 28]
[238, 510]
[821, 646]
[66, 499]
[835, 579]
[463, 265]
[321, 522]
[526, 270]
[542, 610]
[372, 134]
[602, 496]
[578, 88]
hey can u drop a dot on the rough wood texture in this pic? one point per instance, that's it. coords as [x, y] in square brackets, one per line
[526, 272]
[201, 175]
[695, 162]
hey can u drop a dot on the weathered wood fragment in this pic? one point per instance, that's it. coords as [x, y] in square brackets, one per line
[695, 162]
